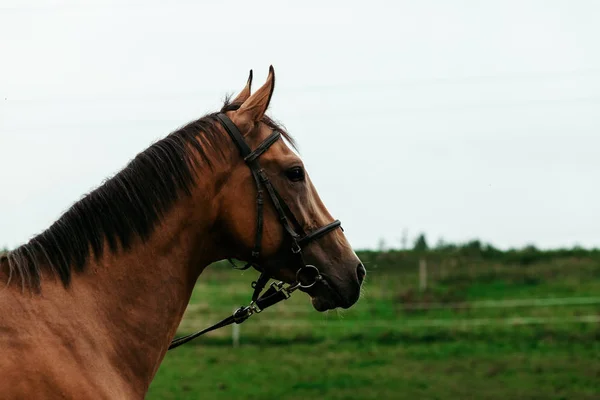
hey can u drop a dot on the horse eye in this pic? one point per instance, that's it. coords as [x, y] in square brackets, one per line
[295, 174]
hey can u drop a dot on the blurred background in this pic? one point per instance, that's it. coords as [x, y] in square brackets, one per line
[456, 140]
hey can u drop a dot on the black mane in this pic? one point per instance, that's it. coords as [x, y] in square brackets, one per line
[126, 206]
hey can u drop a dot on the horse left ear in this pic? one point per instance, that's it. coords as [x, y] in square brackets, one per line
[254, 108]
[245, 93]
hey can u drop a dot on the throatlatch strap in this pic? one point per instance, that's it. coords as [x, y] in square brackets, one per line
[259, 217]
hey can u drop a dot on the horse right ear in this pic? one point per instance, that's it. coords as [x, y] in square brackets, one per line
[245, 93]
[254, 108]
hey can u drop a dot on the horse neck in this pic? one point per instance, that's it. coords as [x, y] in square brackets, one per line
[143, 292]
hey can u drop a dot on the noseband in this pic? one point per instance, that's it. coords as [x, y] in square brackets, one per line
[306, 276]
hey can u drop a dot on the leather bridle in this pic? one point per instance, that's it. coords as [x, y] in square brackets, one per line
[306, 276]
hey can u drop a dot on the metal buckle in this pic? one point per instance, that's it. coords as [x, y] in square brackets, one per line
[296, 248]
[242, 314]
[263, 177]
[278, 286]
[254, 308]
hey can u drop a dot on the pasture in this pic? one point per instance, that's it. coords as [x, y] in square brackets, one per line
[490, 324]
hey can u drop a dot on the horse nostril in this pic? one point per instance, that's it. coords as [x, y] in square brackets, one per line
[361, 272]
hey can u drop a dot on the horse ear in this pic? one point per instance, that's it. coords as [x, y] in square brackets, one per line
[245, 93]
[254, 108]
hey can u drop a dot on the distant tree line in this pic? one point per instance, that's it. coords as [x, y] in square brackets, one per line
[471, 251]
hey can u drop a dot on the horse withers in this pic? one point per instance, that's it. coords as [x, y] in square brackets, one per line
[89, 307]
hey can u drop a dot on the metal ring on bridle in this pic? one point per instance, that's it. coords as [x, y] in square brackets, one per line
[312, 275]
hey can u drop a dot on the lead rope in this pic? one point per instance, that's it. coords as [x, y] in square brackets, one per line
[276, 293]
[240, 315]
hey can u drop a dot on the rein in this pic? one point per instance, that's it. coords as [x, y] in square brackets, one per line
[306, 276]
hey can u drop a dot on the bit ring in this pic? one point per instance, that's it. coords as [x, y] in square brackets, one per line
[308, 273]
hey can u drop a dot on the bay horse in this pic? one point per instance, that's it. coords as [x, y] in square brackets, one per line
[89, 307]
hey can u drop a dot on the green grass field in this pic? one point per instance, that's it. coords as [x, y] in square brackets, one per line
[464, 337]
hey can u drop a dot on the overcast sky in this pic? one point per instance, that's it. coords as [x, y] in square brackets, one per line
[460, 119]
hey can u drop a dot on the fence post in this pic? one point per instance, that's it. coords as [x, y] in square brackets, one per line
[235, 333]
[422, 274]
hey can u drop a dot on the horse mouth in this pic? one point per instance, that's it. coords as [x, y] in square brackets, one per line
[326, 296]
